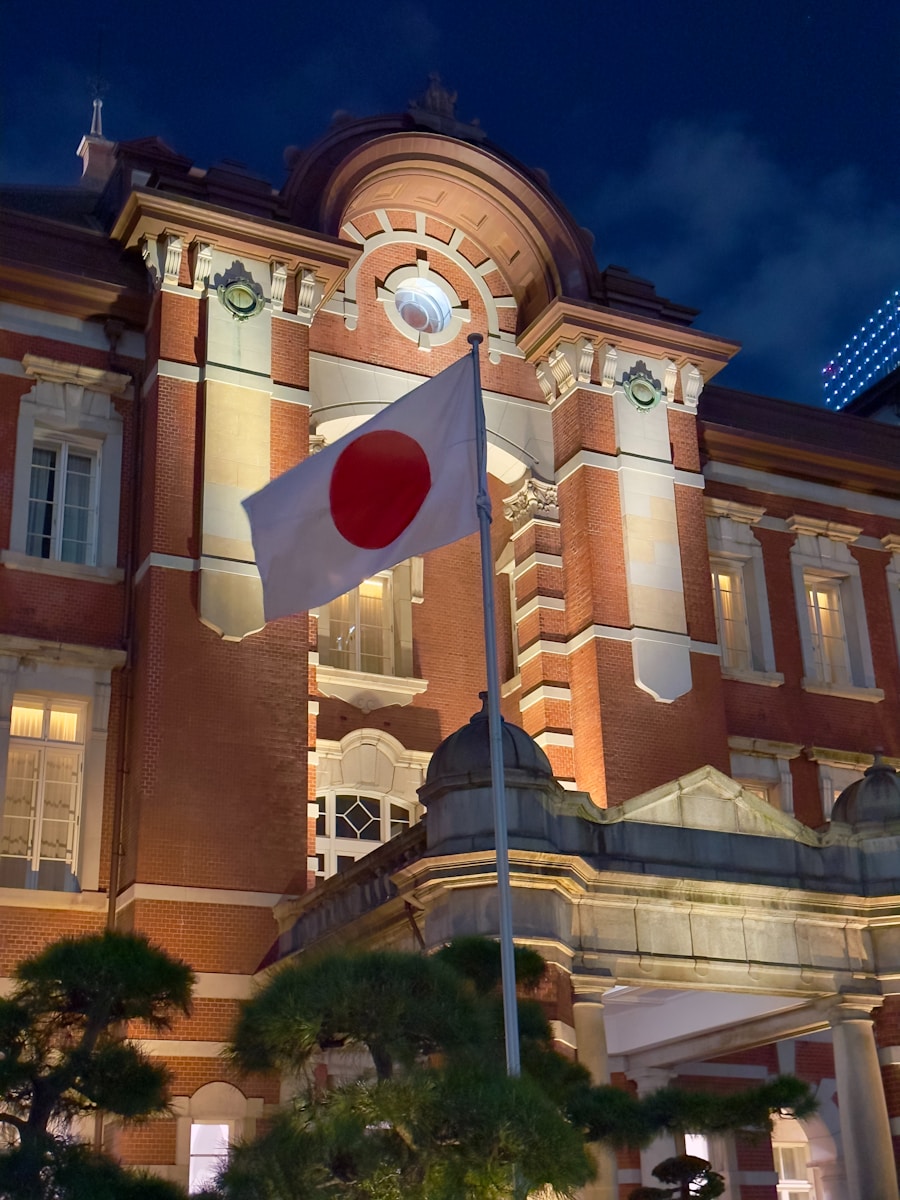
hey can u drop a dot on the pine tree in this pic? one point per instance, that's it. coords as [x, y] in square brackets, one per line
[62, 1059]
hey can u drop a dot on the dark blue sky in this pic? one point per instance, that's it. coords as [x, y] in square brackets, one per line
[743, 155]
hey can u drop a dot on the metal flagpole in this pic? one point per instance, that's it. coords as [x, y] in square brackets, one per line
[495, 730]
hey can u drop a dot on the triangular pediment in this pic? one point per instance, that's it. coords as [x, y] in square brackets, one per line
[707, 799]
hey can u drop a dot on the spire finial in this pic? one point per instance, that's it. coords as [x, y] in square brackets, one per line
[97, 118]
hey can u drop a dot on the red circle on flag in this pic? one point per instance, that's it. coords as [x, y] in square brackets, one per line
[378, 484]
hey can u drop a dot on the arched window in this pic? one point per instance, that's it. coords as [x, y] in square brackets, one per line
[350, 824]
[367, 793]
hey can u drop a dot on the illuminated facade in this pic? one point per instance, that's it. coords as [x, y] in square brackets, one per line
[699, 625]
[871, 354]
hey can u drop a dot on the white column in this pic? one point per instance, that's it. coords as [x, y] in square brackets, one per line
[9, 672]
[865, 1129]
[590, 1038]
[664, 1145]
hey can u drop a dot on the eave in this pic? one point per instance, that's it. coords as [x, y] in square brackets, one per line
[152, 213]
[567, 320]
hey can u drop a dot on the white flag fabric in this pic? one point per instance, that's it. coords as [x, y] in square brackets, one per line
[403, 483]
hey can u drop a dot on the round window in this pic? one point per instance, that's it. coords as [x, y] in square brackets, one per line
[423, 306]
[241, 299]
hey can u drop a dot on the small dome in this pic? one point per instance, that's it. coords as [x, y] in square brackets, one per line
[872, 800]
[466, 754]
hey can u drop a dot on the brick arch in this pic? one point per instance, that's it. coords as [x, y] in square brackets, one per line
[497, 204]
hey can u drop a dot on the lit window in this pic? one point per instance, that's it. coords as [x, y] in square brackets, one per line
[696, 1144]
[62, 502]
[351, 824]
[793, 1173]
[423, 305]
[831, 660]
[731, 618]
[39, 838]
[209, 1153]
[360, 629]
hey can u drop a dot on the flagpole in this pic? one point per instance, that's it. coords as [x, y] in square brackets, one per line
[495, 730]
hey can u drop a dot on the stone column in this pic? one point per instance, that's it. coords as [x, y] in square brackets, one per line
[665, 1145]
[590, 1039]
[865, 1129]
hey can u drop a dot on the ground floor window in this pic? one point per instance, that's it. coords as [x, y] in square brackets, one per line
[351, 824]
[209, 1153]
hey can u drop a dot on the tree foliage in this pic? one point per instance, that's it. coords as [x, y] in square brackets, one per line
[62, 1058]
[440, 1119]
[691, 1178]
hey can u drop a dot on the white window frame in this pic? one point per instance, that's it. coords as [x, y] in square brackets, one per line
[44, 747]
[368, 690]
[735, 550]
[368, 762]
[330, 847]
[228, 1126]
[62, 445]
[891, 543]
[821, 554]
[352, 660]
[787, 1187]
[70, 405]
[764, 768]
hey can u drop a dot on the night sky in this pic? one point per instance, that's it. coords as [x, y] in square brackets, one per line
[743, 156]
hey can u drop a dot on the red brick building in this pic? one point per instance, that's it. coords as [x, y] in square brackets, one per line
[171, 338]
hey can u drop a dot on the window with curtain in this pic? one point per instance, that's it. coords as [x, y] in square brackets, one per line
[209, 1153]
[351, 824]
[831, 656]
[732, 624]
[361, 628]
[793, 1173]
[41, 810]
[62, 502]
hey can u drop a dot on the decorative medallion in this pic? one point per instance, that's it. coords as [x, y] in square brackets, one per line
[641, 388]
[241, 297]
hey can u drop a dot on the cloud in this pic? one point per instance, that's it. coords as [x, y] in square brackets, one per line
[786, 263]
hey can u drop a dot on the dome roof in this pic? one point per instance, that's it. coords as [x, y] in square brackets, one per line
[466, 756]
[872, 800]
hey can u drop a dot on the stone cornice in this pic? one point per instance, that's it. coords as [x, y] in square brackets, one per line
[68, 653]
[151, 214]
[51, 370]
[566, 320]
[744, 514]
[817, 527]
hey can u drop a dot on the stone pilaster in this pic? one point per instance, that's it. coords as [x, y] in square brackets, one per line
[865, 1128]
[590, 1038]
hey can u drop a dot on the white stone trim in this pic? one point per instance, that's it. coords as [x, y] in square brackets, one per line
[94, 902]
[870, 695]
[733, 544]
[889, 1056]
[174, 1048]
[15, 561]
[537, 559]
[760, 678]
[553, 603]
[178, 894]
[891, 543]
[367, 691]
[32, 322]
[169, 562]
[549, 738]
[632, 462]
[69, 654]
[545, 691]
[219, 985]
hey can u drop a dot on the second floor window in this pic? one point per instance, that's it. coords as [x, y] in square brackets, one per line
[361, 636]
[831, 657]
[62, 502]
[731, 618]
[39, 838]
[350, 824]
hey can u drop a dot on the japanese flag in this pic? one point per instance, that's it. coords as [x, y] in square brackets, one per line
[402, 484]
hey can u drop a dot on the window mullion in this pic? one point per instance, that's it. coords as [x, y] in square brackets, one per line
[37, 811]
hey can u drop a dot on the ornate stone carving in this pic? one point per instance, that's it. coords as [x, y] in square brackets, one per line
[279, 282]
[174, 251]
[534, 497]
[545, 379]
[669, 380]
[610, 362]
[562, 370]
[317, 442]
[693, 387]
[150, 255]
[202, 265]
[309, 295]
[585, 360]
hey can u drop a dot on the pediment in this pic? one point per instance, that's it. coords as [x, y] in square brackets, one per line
[707, 799]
